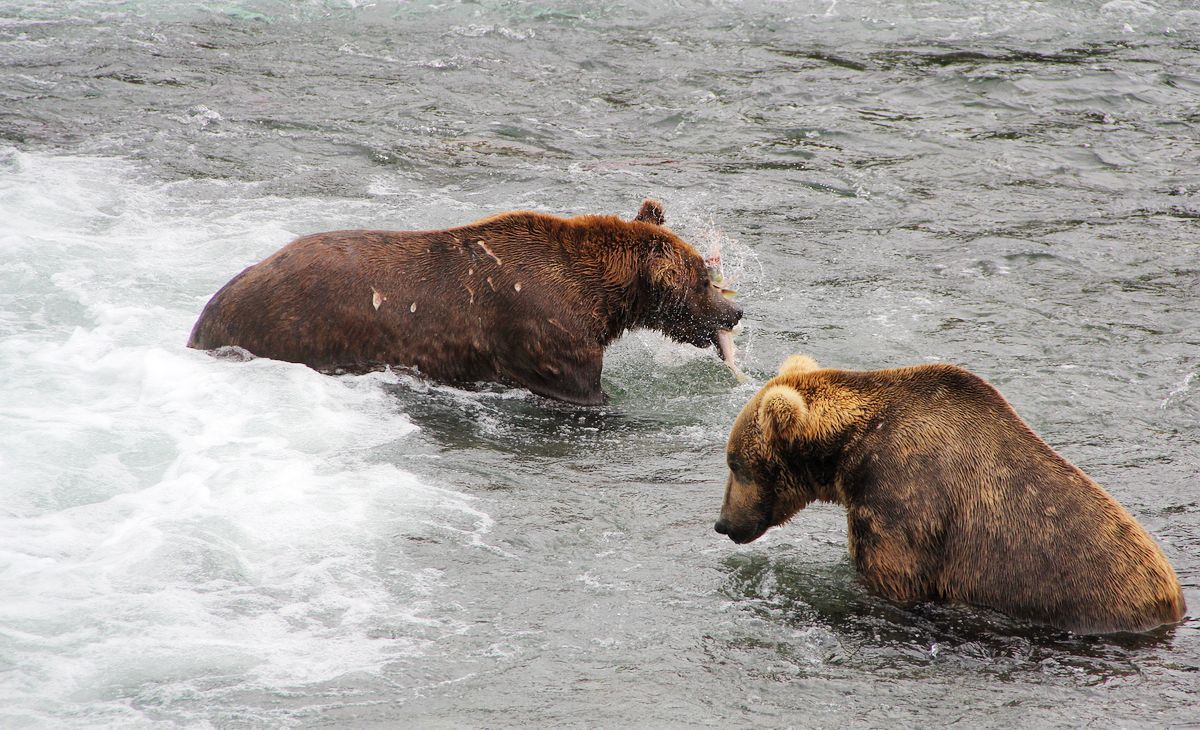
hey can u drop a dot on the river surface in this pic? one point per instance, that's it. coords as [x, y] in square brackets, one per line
[1010, 186]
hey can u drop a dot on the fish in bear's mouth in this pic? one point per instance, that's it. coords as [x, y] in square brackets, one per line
[723, 339]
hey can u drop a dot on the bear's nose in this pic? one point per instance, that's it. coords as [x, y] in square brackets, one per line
[732, 316]
[722, 527]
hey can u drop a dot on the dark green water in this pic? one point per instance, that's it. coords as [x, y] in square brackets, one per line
[1012, 187]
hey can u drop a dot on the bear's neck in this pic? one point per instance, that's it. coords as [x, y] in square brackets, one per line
[611, 264]
[623, 305]
[817, 471]
[820, 479]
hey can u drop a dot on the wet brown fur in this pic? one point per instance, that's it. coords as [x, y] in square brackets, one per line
[521, 298]
[949, 496]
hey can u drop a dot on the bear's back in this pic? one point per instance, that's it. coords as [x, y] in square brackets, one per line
[1017, 527]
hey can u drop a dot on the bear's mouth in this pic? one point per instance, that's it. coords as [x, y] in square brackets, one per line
[747, 537]
[742, 534]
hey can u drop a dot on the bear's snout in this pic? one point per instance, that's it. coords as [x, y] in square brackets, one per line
[741, 534]
[730, 317]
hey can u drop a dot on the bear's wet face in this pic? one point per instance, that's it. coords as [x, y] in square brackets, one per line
[745, 513]
[689, 306]
[750, 495]
[761, 492]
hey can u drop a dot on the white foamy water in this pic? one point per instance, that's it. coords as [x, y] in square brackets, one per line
[170, 523]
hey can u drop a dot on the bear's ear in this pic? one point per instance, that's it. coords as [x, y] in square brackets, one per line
[798, 364]
[781, 414]
[651, 212]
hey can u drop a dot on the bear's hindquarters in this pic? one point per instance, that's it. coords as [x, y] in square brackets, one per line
[307, 303]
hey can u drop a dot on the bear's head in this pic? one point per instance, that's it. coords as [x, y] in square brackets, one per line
[684, 301]
[780, 454]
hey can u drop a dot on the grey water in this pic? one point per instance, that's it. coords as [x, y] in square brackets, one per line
[1013, 187]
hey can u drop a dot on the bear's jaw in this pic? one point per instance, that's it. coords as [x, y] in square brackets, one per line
[742, 534]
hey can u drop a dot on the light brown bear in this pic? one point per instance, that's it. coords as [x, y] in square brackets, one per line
[949, 497]
[520, 298]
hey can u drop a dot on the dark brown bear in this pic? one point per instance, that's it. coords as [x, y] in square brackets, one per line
[949, 497]
[520, 298]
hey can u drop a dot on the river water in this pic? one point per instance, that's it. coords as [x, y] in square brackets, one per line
[1013, 187]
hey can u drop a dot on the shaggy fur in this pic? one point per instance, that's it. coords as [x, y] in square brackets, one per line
[521, 298]
[949, 496]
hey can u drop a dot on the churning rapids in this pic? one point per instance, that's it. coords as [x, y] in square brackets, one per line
[1012, 186]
